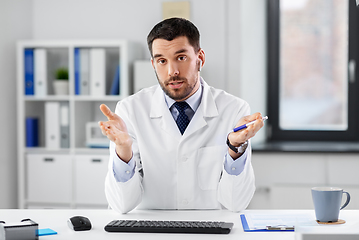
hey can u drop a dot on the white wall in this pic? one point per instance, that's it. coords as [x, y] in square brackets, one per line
[219, 22]
[15, 23]
[132, 20]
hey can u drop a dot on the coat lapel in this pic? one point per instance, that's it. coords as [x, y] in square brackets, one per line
[207, 109]
[159, 109]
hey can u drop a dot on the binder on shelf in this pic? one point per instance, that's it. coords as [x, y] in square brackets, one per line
[97, 72]
[40, 72]
[64, 125]
[52, 125]
[77, 70]
[32, 132]
[84, 71]
[29, 71]
[115, 87]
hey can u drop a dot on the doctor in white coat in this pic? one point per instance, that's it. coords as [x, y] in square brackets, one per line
[155, 161]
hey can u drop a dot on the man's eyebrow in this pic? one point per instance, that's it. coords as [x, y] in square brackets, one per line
[157, 55]
[181, 51]
[177, 52]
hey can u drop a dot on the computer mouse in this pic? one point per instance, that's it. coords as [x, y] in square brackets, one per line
[79, 223]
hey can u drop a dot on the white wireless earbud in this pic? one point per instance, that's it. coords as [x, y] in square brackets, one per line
[200, 65]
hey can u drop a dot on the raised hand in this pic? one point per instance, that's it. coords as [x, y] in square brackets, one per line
[238, 138]
[115, 129]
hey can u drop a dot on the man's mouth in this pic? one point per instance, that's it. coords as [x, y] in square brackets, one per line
[175, 84]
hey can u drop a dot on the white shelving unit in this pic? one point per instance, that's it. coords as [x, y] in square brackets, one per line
[70, 177]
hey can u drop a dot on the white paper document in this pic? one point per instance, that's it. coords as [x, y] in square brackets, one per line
[262, 221]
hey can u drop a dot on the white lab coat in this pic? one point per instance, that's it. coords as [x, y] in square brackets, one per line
[175, 171]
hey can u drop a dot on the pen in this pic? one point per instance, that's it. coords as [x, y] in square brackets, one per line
[248, 124]
[280, 227]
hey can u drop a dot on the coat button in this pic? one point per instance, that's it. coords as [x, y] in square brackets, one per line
[184, 159]
[184, 201]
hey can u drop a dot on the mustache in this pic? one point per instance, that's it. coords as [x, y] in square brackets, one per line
[175, 78]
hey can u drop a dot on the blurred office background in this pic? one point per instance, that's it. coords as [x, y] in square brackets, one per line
[234, 37]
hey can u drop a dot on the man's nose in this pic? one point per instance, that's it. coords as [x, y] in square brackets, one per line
[173, 69]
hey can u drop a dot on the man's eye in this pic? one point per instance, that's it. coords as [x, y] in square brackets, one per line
[181, 58]
[161, 61]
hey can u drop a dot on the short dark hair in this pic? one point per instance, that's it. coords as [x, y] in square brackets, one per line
[172, 28]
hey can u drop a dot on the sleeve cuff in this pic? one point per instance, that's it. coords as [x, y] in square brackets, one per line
[123, 171]
[235, 167]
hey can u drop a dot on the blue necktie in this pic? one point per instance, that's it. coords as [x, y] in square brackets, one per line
[182, 119]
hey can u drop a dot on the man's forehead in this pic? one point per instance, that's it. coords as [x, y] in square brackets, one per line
[162, 47]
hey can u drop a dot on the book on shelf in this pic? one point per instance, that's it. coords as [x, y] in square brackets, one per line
[32, 132]
[29, 71]
[40, 72]
[97, 72]
[115, 87]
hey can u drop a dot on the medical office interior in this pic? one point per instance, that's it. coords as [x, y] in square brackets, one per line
[234, 35]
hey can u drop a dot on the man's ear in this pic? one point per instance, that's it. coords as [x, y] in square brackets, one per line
[202, 58]
[153, 64]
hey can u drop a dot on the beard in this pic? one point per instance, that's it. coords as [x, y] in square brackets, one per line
[181, 93]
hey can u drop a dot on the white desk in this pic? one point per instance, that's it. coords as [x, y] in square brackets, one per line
[57, 220]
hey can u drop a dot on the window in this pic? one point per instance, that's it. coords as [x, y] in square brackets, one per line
[312, 75]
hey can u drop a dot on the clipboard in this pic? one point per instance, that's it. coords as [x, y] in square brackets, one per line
[246, 227]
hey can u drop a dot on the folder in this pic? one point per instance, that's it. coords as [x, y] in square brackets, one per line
[84, 71]
[29, 71]
[52, 125]
[32, 132]
[115, 87]
[40, 73]
[97, 72]
[64, 125]
[77, 70]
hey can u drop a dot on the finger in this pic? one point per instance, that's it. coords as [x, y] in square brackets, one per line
[256, 116]
[103, 128]
[107, 112]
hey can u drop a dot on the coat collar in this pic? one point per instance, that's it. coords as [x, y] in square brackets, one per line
[207, 106]
[206, 109]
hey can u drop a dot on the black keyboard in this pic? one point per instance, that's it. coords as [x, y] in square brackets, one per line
[169, 226]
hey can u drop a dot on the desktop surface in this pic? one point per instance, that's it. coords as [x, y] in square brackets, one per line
[56, 219]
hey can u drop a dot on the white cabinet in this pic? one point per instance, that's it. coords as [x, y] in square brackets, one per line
[49, 178]
[90, 174]
[57, 167]
[284, 180]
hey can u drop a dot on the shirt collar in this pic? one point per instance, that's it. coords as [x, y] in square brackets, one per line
[193, 101]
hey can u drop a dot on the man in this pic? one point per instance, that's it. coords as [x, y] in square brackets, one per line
[168, 143]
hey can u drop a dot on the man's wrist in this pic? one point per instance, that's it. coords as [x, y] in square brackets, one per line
[124, 154]
[241, 148]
